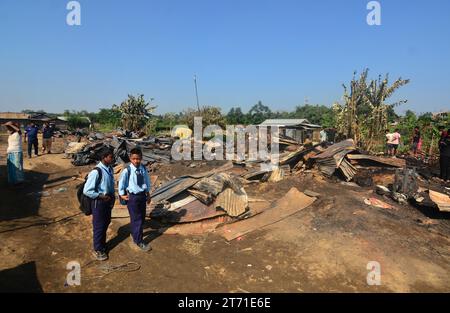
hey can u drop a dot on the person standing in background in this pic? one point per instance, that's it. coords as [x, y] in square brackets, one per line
[78, 134]
[47, 137]
[388, 137]
[442, 132]
[444, 157]
[323, 136]
[31, 134]
[395, 141]
[15, 155]
[390, 143]
[415, 141]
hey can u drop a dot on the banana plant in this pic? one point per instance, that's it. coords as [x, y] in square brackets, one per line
[135, 112]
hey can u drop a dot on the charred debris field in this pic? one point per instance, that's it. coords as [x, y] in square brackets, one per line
[312, 224]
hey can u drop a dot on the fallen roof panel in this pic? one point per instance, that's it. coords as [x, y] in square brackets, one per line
[291, 203]
[395, 162]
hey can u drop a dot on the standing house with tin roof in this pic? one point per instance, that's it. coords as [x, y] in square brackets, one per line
[296, 129]
[20, 118]
[24, 119]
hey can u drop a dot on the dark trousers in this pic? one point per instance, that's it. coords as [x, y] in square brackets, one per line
[101, 218]
[31, 143]
[445, 167]
[136, 207]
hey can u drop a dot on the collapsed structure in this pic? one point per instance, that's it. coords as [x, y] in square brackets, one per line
[216, 200]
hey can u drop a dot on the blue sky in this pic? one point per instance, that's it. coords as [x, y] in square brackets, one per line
[242, 51]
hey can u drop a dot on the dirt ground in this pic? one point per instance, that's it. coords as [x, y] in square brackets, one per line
[323, 248]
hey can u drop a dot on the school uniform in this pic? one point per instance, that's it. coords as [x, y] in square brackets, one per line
[101, 209]
[136, 184]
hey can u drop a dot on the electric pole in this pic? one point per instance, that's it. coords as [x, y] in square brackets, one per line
[196, 92]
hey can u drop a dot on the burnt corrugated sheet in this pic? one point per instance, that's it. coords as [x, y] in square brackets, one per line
[234, 203]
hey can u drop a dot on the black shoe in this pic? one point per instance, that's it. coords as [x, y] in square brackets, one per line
[100, 255]
[145, 247]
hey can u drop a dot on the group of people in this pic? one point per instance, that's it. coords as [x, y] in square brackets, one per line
[31, 136]
[392, 142]
[134, 185]
[14, 150]
[134, 190]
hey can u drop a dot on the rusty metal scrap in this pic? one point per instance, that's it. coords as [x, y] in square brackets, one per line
[234, 203]
[394, 162]
[333, 158]
[291, 203]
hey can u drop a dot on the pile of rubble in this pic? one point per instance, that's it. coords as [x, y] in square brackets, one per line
[406, 189]
[216, 200]
[155, 149]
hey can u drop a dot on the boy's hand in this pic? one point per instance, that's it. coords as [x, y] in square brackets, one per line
[125, 197]
[105, 197]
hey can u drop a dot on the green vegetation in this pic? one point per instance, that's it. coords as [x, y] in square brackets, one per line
[135, 113]
[77, 119]
[429, 128]
[364, 115]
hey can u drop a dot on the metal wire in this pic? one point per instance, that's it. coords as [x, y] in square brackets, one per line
[125, 267]
[112, 268]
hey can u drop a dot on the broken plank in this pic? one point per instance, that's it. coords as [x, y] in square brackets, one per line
[441, 200]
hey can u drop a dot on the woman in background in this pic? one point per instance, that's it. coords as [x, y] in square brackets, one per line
[416, 140]
[15, 156]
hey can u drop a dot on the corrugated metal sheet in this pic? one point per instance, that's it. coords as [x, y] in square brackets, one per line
[195, 211]
[333, 158]
[385, 161]
[180, 184]
[16, 116]
[303, 123]
[291, 203]
[182, 202]
[284, 122]
[232, 202]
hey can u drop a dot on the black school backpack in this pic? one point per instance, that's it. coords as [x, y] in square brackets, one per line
[85, 201]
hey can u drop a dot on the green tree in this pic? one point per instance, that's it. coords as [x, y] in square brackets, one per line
[235, 116]
[258, 114]
[281, 114]
[135, 112]
[364, 114]
[316, 114]
[29, 111]
[76, 121]
[110, 117]
[211, 115]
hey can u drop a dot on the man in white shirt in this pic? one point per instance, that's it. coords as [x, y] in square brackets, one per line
[323, 136]
[389, 139]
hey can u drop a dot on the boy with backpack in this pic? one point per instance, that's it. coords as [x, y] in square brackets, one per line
[99, 189]
[134, 189]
